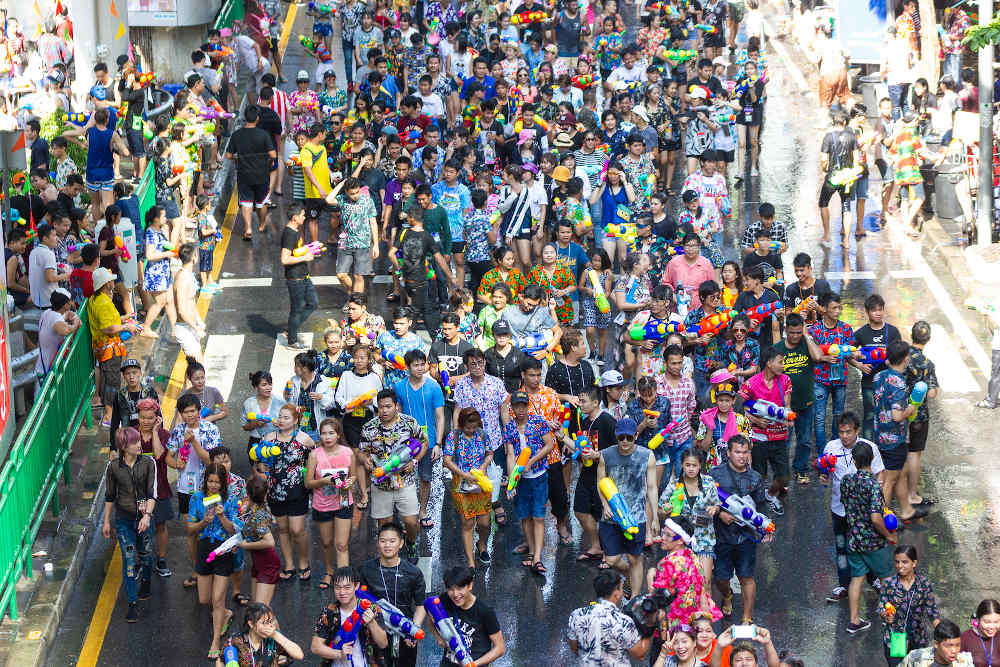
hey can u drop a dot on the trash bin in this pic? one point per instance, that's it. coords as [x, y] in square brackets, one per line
[946, 204]
[872, 90]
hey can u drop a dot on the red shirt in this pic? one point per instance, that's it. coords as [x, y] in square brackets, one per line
[82, 280]
[418, 124]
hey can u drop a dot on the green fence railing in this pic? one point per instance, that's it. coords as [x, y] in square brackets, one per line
[30, 477]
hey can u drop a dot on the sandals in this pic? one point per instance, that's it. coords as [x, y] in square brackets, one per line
[213, 654]
[427, 522]
[305, 574]
[286, 575]
[566, 539]
[326, 581]
[229, 622]
[587, 557]
[539, 569]
[527, 562]
[500, 516]
[727, 604]
[604, 565]
[520, 550]
[241, 600]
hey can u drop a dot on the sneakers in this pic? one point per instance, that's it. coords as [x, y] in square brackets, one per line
[775, 505]
[144, 589]
[802, 478]
[133, 614]
[837, 594]
[297, 345]
[162, 569]
[858, 627]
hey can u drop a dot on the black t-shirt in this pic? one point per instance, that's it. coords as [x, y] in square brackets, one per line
[713, 84]
[799, 369]
[402, 585]
[375, 180]
[601, 434]
[880, 337]
[40, 154]
[290, 239]
[840, 145]
[416, 247]
[251, 146]
[747, 300]
[65, 202]
[449, 354]
[772, 258]
[795, 294]
[506, 368]
[269, 121]
[571, 380]
[476, 624]
[136, 102]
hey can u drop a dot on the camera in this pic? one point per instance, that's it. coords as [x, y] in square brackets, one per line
[644, 610]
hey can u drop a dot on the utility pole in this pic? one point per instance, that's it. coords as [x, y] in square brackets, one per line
[984, 199]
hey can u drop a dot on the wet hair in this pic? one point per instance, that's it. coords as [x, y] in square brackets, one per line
[946, 630]
[124, 437]
[741, 440]
[347, 573]
[794, 320]
[459, 576]
[907, 550]
[193, 366]
[221, 450]
[849, 418]
[255, 612]
[260, 376]
[862, 454]
[606, 582]
[921, 332]
[219, 471]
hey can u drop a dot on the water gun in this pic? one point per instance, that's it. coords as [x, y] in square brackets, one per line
[890, 609]
[395, 360]
[228, 545]
[211, 500]
[313, 247]
[826, 463]
[322, 10]
[213, 113]
[230, 656]
[567, 415]
[200, 128]
[802, 305]
[846, 177]
[125, 335]
[77, 118]
[145, 78]
[742, 510]
[585, 81]
[445, 379]
[178, 168]
[890, 520]
[677, 499]
[673, 250]
[658, 439]
[655, 414]
[705, 28]
[363, 332]
[763, 311]
[773, 246]
[288, 390]
[361, 400]
[678, 55]
[262, 452]
[582, 445]
[352, 625]
[523, 457]
[714, 324]
[253, 416]
[624, 230]
[445, 626]
[167, 246]
[219, 50]
[534, 342]
[399, 458]
[307, 43]
[872, 354]
[618, 507]
[395, 620]
[120, 244]
[600, 298]
[525, 18]
[537, 120]
[768, 410]
[654, 330]
[207, 410]
[838, 350]
[482, 480]
[917, 396]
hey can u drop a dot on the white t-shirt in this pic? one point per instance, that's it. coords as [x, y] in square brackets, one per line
[433, 106]
[42, 257]
[537, 199]
[622, 73]
[48, 340]
[845, 466]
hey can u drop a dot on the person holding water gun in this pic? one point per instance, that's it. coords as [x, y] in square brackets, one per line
[371, 638]
[919, 369]
[259, 642]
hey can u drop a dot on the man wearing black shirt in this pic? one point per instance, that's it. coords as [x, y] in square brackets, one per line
[473, 618]
[68, 193]
[401, 583]
[410, 255]
[839, 151]
[133, 97]
[255, 154]
[877, 333]
[302, 299]
[705, 79]
[124, 411]
[570, 375]
[39, 147]
[447, 352]
[599, 427]
[756, 293]
[806, 286]
[503, 360]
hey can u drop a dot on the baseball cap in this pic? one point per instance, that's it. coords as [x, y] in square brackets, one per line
[560, 173]
[612, 378]
[131, 363]
[520, 397]
[302, 76]
[329, 74]
[641, 112]
[698, 94]
[102, 277]
[501, 328]
[626, 426]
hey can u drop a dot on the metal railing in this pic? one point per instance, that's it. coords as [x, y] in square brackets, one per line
[29, 478]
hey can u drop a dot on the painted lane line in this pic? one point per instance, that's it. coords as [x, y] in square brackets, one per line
[903, 274]
[222, 354]
[850, 275]
[246, 282]
[283, 361]
[779, 48]
[953, 374]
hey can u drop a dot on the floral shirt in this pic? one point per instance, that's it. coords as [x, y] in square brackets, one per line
[415, 62]
[285, 481]
[710, 350]
[831, 375]
[914, 608]
[306, 100]
[334, 368]
[604, 635]
[712, 197]
[889, 388]
[389, 343]
[680, 573]
[214, 530]
[515, 281]
[257, 522]
[924, 657]
[189, 479]
[350, 18]
[960, 23]
[267, 655]
[561, 278]
[334, 100]
[862, 497]
[372, 323]
[534, 430]
[467, 452]
[651, 40]
[477, 226]
[603, 44]
[330, 622]
[468, 327]
[635, 411]
[637, 172]
[920, 369]
[636, 289]
[486, 400]
[695, 508]
[743, 359]
[379, 441]
[356, 217]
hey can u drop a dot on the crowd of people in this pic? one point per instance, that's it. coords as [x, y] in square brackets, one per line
[551, 188]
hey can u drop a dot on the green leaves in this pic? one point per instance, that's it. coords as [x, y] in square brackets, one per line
[981, 36]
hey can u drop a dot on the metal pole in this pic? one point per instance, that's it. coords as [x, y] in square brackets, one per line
[984, 200]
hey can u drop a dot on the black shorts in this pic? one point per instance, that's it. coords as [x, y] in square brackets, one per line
[826, 193]
[183, 502]
[727, 156]
[457, 246]
[586, 501]
[314, 207]
[342, 513]
[918, 436]
[252, 194]
[716, 40]
[895, 458]
[205, 260]
[135, 145]
[298, 507]
[223, 565]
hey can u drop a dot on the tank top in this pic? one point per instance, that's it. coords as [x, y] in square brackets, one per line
[330, 498]
[100, 166]
[629, 475]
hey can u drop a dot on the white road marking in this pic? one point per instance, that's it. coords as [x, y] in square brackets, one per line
[952, 373]
[283, 361]
[849, 275]
[222, 354]
[246, 282]
[903, 274]
[779, 48]
[325, 280]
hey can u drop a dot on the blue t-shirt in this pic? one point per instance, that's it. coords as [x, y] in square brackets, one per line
[455, 200]
[489, 87]
[130, 209]
[421, 403]
[576, 255]
[100, 165]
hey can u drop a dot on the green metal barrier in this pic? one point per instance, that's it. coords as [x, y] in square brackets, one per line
[146, 193]
[30, 477]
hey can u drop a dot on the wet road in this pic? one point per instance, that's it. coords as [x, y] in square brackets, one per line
[957, 543]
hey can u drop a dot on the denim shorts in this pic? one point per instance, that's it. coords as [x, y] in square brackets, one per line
[741, 558]
[532, 494]
[613, 539]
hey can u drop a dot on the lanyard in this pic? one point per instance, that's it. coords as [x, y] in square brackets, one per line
[989, 654]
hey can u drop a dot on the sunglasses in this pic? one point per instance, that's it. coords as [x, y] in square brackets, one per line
[626, 437]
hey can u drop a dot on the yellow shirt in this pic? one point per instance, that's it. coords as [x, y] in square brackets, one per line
[101, 314]
[315, 158]
[729, 297]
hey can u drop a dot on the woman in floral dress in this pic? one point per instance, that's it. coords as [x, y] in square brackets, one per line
[157, 279]
[556, 278]
[465, 450]
[912, 598]
[678, 573]
[505, 272]
[700, 505]
[304, 106]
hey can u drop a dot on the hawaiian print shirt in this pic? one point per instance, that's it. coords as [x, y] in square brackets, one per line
[486, 400]
[561, 278]
[702, 353]
[356, 216]
[680, 573]
[515, 281]
[743, 359]
[534, 430]
[189, 479]
[214, 530]
[682, 406]
[862, 497]
[603, 633]
[285, 479]
[920, 369]
[307, 100]
[379, 441]
[635, 411]
[694, 508]
[467, 452]
[389, 343]
[914, 608]
[889, 388]
[831, 375]
[477, 226]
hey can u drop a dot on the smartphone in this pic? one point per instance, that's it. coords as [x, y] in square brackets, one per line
[744, 631]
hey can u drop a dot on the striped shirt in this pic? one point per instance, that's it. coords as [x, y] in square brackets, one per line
[279, 104]
[682, 407]
[592, 164]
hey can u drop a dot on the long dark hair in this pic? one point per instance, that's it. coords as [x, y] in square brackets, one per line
[255, 612]
[219, 471]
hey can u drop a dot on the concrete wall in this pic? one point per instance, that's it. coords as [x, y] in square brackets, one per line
[171, 50]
